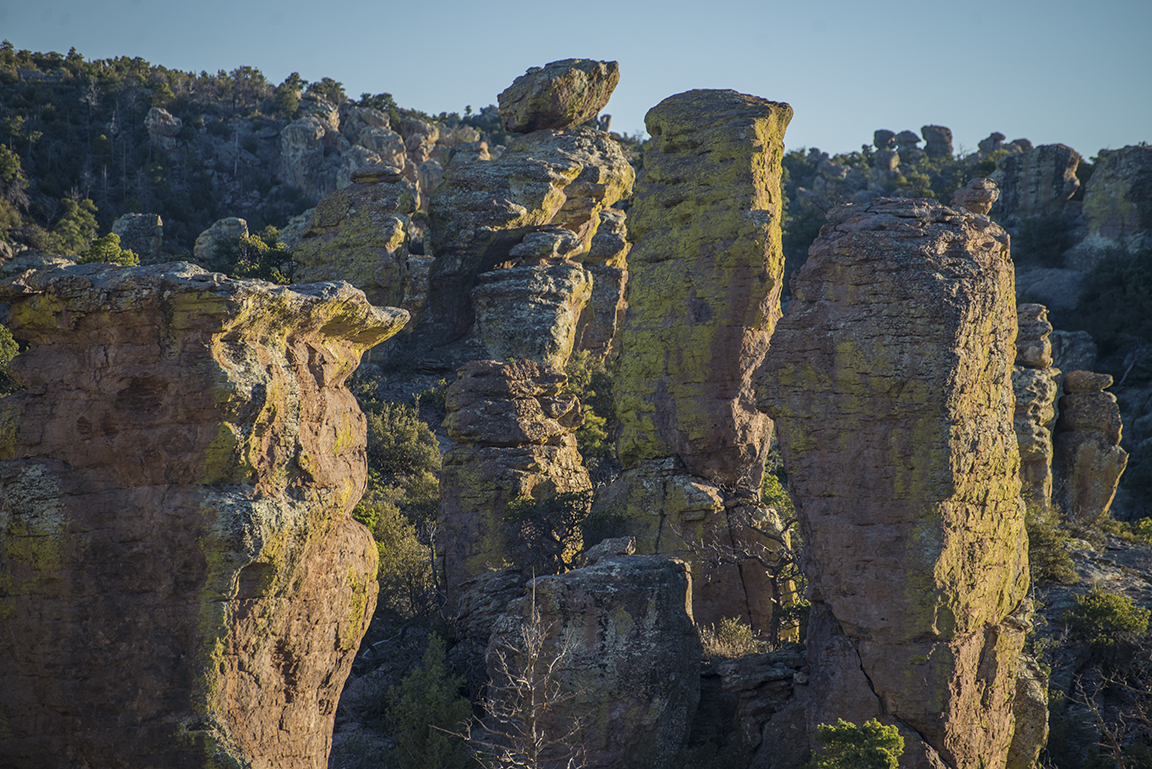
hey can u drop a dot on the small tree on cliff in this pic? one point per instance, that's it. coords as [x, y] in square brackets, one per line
[868, 746]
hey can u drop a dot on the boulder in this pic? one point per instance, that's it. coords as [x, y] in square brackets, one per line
[626, 678]
[222, 231]
[163, 128]
[937, 141]
[360, 234]
[1038, 182]
[142, 234]
[559, 95]
[890, 382]
[1089, 460]
[883, 139]
[703, 296]
[511, 428]
[994, 142]
[482, 210]
[184, 585]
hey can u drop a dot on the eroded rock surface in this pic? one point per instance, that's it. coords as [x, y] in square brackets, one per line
[1089, 460]
[140, 233]
[512, 430]
[703, 296]
[630, 673]
[1036, 182]
[222, 231]
[1117, 205]
[485, 209]
[360, 234]
[1034, 381]
[561, 94]
[890, 383]
[183, 585]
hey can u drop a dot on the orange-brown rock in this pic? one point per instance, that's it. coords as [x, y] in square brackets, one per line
[703, 295]
[512, 427]
[890, 382]
[1089, 460]
[182, 583]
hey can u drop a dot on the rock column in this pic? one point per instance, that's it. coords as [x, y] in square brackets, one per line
[512, 431]
[1034, 383]
[182, 584]
[1089, 460]
[890, 383]
[703, 296]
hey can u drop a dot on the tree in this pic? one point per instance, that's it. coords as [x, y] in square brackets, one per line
[76, 227]
[106, 250]
[329, 89]
[427, 714]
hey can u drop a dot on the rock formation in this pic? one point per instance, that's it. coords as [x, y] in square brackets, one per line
[937, 141]
[484, 210]
[558, 95]
[140, 233]
[890, 382]
[703, 297]
[512, 426]
[977, 196]
[182, 583]
[1073, 350]
[163, 128]
[1117, 205]
[629, 677]
[1037, 182]
[360, 234]
[883, 139]
[1089, 460]
[222, 231]
[605, 261]
[1034, 383]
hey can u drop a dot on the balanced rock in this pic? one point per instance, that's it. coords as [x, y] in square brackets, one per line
[977, 196]
[1089, 460]
[937, 141]
[511, 425]
[703, 296]
[142, 234]
[183, 583]
[883, 139]
[994, 142]
[360, 234]
[1038, 182]
[484, 209]
[558, 95]
[1034, 382]
[890, 382]
[627, 678]
[220, 233]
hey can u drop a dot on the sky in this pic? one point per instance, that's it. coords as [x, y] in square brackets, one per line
[1051, 71]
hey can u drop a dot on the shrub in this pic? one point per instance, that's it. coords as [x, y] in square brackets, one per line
[731, 638]
[1047, 558]
[1102, 619]
[847, 746]
[106, 250]
[399, 443]
[590, 381]
[251, 257]
[8, 350]
[426, 711]
[544, 535]
[407, 584]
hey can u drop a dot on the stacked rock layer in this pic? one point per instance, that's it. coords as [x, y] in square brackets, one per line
[182, 583]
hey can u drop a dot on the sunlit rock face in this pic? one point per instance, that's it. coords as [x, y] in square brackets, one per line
[182, 583]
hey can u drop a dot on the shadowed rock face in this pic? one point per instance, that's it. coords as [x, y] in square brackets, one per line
[512, 428]
[703, 296]
[1034, 382]
[182, 583]
[1036, 182]
[890, 383]
[629, 674]
[1089, 460]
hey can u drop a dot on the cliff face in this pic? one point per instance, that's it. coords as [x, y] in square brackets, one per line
[182, 583]
[890, 383]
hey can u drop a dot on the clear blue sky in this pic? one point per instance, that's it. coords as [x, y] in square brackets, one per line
[1064, 71]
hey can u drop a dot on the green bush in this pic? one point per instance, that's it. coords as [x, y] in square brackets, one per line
[590, 381]
[106, 250]
[399, 443]
[407, 583]
[1103, 619]
[1047, 558]
[426, 712]
[8, 350]
[847, 746]
[251, 257]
